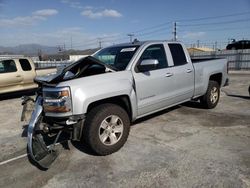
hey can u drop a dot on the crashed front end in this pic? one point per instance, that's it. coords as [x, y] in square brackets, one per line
[52, 122]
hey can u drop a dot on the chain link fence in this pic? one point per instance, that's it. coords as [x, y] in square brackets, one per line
[49, 64]
[237, 59]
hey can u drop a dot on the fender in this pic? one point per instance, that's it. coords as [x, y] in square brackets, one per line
[39, 152]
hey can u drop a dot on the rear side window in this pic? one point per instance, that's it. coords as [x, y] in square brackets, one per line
[25, 64]
[7, 66]
[178, 54]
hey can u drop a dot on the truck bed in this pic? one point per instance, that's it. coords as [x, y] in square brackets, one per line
[200, 60]
[204, 68]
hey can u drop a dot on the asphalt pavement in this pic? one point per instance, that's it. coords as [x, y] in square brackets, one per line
[185, 146]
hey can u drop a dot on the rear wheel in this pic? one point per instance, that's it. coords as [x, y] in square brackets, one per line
[106, 128]
[211, 98]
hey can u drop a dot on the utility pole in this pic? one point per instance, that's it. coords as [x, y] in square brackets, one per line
[198, 43]
[100, 42]
[174, 31]
[71, 42]
[131, 37]
[39, 53]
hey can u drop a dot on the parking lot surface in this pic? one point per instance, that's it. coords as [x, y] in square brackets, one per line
[185, 146]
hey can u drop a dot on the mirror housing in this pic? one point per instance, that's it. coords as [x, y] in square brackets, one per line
[147, 65]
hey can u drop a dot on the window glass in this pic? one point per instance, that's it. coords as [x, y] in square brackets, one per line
[117, 57]
[7, 66]
[178, 54]
[156, 52]
[25, 64]
[1, 67]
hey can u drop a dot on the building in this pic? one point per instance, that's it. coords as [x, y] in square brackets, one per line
[201, 49]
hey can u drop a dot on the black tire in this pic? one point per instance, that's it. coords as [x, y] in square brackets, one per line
[212, 96]
[93, 130]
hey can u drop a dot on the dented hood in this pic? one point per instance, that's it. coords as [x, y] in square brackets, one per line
[59, 76]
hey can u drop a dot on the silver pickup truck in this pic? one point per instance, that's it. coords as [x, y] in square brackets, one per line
[95, 99]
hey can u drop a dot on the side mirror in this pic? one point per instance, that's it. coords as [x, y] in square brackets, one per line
[148, 64]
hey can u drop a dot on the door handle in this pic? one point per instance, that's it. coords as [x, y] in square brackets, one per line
[189, 71]
[18, 76]
[169, 74]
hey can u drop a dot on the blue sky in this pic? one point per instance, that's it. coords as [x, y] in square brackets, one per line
[81, 23]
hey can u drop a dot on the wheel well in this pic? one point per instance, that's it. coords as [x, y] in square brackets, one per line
[217, 78]
[122, 100]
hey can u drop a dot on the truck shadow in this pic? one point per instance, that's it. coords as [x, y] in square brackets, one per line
[239, 96]
[229, 94]
[154, 115]
[83, 147]
[193, 104]
[18, 94]
[190, 104]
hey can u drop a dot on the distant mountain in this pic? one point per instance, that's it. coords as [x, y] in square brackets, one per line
[28, 49]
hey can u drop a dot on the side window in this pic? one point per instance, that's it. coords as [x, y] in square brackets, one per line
[7, 66]
[156, 51]
[178, 54]
[25, 64]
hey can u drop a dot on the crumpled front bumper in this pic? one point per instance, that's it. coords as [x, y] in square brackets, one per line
[34, 118]
[37, 149]
[41, 143]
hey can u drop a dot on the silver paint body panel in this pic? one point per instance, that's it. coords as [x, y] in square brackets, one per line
[148, 92]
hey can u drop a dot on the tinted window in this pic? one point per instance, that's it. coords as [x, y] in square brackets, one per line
[7, 66]
[25, 64]
[178, 54]
[156, 52]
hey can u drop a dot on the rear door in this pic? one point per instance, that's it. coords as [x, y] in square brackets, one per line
[183, 73]
[28, 72]
[9, 74]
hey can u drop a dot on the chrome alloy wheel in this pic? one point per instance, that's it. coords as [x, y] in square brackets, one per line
[111, 130]
[214, 96]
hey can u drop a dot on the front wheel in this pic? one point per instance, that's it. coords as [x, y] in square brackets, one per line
[211, 97]
[106, 128]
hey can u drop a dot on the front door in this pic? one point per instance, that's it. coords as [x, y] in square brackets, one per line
[154, 86]
[10, 77]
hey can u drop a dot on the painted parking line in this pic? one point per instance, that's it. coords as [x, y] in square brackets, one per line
[13, 159]
[18, 157]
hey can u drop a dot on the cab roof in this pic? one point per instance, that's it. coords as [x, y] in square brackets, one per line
[140, 43]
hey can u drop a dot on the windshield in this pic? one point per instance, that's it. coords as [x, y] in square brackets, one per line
[117, 57]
